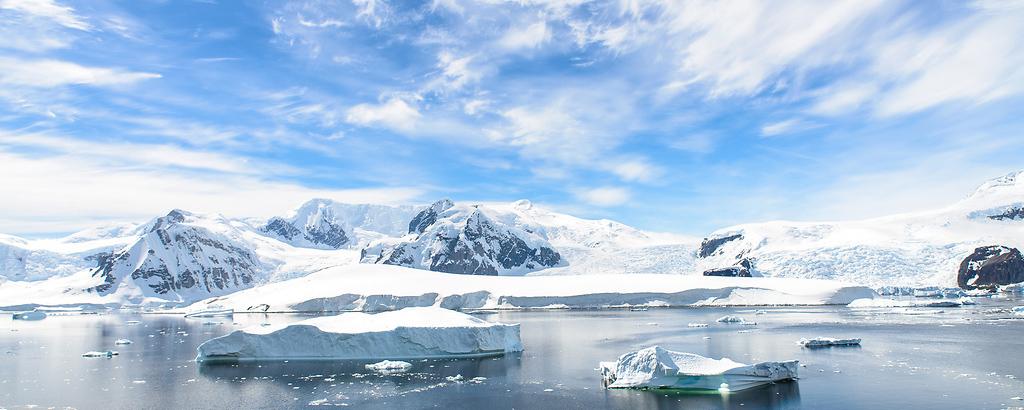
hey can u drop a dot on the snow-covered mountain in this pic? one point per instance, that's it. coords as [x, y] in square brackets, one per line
[913, 249]
[326, 224]
[465, 239]
[180, 257]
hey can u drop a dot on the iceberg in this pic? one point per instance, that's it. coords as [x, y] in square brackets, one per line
[410, 333]
[390, 367]
[30, 315]
[122, 342]
[828, 342]
[212, 311]
[108, 353]
[730, 319]
[659, 368]
[1018, 310]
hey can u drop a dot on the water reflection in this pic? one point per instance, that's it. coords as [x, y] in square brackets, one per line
[784, 395]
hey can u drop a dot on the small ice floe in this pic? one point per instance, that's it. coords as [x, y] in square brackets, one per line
[122, 342]
[212, 311]
[1018, 310]
[730, 319]
[659, 368]
[131, 322]
[455, 379]
[30, 315]
[108, 353]
[828, 342]
[760, 312]
[695, 324]
[478, 380]
[927, 293]
[208, 323]
[411, 333]
[390, 367]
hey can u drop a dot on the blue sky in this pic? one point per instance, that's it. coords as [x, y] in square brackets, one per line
[668, 115]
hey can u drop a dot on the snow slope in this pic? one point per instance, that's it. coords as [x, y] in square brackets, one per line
[914, 249]
[326, 224]
[387, 287]
[411, 333]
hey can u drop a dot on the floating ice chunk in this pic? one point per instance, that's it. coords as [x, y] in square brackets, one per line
[131, 322]
[108, 353]
[404, 334]
[1018, 310]
[655, 367]
[760, 312]
[694, 324]
[827, 342]
[390, 367]
[30, 315]
[212, 311]
[455, 379]
[122, 342]
[730, 319]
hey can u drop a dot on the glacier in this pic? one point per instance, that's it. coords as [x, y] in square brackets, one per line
[373, 288]
[412, 333]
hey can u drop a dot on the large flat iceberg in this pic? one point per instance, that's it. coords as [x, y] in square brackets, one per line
[371, 288]
[410, 333]
[658, 368]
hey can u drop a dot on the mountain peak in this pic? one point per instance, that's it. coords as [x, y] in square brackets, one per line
[1009, 180]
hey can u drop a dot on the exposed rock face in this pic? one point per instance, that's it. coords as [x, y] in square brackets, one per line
[315, 225]
[742, 269]
[709, 245]
[175, 256]
[1014, 212]
[428, 216]
[465, 240]
[989, 266]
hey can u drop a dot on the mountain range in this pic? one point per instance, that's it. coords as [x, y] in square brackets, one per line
[182, 256]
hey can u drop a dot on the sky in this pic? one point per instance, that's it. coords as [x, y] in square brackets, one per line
[677, 116]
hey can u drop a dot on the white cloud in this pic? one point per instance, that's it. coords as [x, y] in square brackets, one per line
[699, 143]
[737, 46]
[49, 9]
[843, 99]
[529, 37]
[54, 73]
[634, 170]
[781, 127]
[977, 61]
[374, 12]
[394, 113]
[604, 196]
[70, 191]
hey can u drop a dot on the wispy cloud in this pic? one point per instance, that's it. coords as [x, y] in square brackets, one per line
[54, 73]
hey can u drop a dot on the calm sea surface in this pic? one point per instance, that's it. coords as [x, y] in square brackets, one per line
[955, 358]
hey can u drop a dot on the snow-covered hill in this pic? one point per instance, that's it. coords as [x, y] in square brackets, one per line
[913, 249]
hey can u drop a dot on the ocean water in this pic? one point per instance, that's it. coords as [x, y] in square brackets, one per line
[957, 358]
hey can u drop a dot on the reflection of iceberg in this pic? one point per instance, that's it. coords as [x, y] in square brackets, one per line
[828, 342]
[655, 367]
[31, 315]
[212, 311]
[403, 334]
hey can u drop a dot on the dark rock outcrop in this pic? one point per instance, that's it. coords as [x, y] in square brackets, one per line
[709, 245]
[742, 269]
[1011, 213]
[989, 266]
[428, 216]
